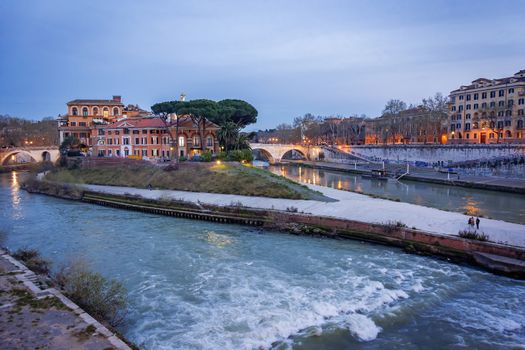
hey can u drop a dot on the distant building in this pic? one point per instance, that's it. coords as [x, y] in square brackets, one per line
[150, 138]
[107, 128]
[82, 115]
[488, 111]
[412, 126]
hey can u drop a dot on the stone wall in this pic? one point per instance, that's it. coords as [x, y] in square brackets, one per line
[437, 153]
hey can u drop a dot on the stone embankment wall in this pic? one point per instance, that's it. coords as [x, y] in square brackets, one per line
[437, 153]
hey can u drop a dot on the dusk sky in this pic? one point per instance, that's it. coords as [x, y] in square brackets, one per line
[287, 58]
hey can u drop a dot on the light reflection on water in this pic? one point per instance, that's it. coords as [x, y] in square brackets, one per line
[492, 204]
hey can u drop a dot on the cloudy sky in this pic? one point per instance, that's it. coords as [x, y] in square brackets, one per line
[287, 58]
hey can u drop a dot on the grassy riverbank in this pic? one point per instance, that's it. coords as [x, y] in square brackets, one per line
[227, 178]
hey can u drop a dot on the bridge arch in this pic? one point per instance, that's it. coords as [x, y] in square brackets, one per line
[290, 152]
[46, 156]
[11, 154]
[266, 154]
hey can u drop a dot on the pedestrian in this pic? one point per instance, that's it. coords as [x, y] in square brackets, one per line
[470, 222]
[149, 187]
[477, 223]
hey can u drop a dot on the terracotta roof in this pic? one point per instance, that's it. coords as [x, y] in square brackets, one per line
[95, 102]
[137, 123]
[155, 122]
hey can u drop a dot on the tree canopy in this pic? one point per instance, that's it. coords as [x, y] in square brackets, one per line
[239, 112]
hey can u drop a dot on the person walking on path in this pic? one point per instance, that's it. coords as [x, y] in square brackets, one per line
[477, 223]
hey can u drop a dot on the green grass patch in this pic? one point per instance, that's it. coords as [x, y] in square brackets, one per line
[226, 178]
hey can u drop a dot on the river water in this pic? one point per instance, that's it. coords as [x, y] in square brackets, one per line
[497, 205]
[200, 285]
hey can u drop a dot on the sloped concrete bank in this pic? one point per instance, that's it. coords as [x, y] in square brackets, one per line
[61, 324]
[498, 258]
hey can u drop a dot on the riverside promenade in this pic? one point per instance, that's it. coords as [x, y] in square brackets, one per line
[348, 206]
[428, 175]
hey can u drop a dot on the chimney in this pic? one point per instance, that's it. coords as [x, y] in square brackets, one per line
[117, 98]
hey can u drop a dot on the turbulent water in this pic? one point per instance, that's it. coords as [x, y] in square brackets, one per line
[198, 285]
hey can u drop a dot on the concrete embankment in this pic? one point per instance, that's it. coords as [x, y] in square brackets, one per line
[481, 253]
[35, 316]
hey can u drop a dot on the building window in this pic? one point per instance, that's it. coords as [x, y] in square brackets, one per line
[125, 141]
[475, 135]
[476, 96]
[467, 116]
[209, 141]
[468, 97]
[483, 95]
[511, 90]
[95, 110]
[508, 122]
[492, 104]
[74, 111]
[500, 124]
[460, 108]
[476, 106]
[137, 140]
[484, 105]
[453, 108]
[101, 132]
[467, 126]
[520, 112]
[520, 124]
[501, 113]
[501, 103]
[521, 101]
[115, 111]
[468, 107]
[81, 123]
[492, 94]
[508, 113]
[510, 103]
[84, 111]
[458, 126]
[73, 123]
[461, 97]
[109, 141]
[105, 112]
[136, 132]
[491, 135]
[501, 93]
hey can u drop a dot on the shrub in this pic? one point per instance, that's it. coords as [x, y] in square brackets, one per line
[222, 155]
[240, 155]
[183, 159]
[33, 260]
[206, 156]
[393, 226]
[473, 235]
[292, 209]
[99, 296]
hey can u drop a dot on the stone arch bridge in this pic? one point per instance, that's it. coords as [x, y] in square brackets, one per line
[275, 152]
[36, 154]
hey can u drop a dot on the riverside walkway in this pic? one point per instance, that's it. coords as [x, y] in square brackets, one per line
[348, 205]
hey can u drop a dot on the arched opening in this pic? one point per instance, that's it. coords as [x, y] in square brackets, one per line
[46, 156]
[294, 154]
[74, 111]
[85, 111]
[18, 157]
[105, 112]
[95, 111]
[262, 155]
[115, 111]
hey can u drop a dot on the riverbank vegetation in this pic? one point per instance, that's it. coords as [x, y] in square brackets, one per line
[105, 299]
[216, 177]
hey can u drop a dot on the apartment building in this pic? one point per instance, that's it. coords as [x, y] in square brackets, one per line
[488, 111]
